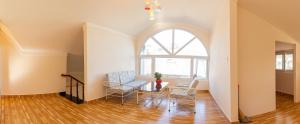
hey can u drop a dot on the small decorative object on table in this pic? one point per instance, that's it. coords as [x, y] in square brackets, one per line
[158, 76]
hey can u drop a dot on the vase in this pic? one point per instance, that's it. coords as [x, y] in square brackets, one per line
[158, 86]
[158, 82]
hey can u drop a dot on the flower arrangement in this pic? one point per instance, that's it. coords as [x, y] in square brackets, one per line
[158, 76]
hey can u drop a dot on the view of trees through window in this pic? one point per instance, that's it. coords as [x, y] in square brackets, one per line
[284, 60]
[174, 52]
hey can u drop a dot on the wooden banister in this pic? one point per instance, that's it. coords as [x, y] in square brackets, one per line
[71, 84]
[67, 75]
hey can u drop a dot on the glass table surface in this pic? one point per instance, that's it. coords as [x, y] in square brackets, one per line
[152, 87]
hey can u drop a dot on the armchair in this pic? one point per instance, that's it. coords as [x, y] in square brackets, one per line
[183, 92]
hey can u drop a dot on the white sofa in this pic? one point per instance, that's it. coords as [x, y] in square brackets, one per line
[122, 84]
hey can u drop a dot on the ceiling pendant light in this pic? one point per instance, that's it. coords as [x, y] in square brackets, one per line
[152, 8]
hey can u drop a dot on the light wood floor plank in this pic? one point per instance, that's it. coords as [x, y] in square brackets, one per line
[54, 109]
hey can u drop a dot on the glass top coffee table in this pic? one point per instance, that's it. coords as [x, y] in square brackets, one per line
[156, 92]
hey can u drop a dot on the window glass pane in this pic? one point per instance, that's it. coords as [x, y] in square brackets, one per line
[279, 62]
[173, 66]
[146, 66]
[165, 38]
[200, 67]
[195, 48]
[289, 61]
[181, 37]
[152, 48]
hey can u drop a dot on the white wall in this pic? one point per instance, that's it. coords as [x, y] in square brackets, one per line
[222, 77]
[140, 40]
[234, 59]
[105, 51]
[34, 72]
[256, 57]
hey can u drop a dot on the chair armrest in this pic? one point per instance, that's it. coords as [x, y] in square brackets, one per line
[182, 88]
[191, 91]
[186, 89]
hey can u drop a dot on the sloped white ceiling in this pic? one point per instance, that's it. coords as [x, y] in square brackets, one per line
[284, 14]
[56, 24]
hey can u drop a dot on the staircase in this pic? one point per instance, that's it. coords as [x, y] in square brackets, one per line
[74, 89]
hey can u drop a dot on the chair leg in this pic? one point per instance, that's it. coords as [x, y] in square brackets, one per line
[169, 102]
[137, 97]
[105, 93]
[122, 98]
[195, 104]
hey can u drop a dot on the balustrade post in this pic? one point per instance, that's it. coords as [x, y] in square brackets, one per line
[71, 96]
[77, 92]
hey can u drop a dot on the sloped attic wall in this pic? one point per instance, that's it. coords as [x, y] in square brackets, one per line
[29, 72]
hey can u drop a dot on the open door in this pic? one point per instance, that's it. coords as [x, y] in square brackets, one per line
[285, 73]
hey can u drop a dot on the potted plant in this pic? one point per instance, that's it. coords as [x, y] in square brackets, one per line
[158, 76]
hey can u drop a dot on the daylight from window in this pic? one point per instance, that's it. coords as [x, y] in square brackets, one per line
[174, 52]
[279, 62]
[285, 61]
[289, 61]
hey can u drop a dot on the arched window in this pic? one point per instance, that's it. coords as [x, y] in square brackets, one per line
[174, 52]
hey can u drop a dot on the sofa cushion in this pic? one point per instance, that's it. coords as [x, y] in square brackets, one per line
[136, 84]
[124, 77]
[131, 75]
[113, 79]
[122, 88]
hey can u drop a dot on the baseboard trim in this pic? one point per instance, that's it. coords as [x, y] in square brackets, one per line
[202, 91]
[271, 112]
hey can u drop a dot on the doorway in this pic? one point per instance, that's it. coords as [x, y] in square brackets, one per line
[285, 73]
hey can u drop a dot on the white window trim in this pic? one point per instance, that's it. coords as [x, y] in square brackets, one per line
[173, 54]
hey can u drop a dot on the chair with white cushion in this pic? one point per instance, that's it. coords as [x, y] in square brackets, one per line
[186, 82]
[184, 92]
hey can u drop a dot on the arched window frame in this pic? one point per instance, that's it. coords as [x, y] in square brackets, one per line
[173, 54]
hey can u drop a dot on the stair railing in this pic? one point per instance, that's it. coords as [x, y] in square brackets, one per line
[77, 87]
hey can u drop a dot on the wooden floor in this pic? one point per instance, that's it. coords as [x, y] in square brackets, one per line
[54, 109]
[286, 113]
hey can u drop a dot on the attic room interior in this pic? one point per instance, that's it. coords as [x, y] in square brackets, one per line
[149, 61]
